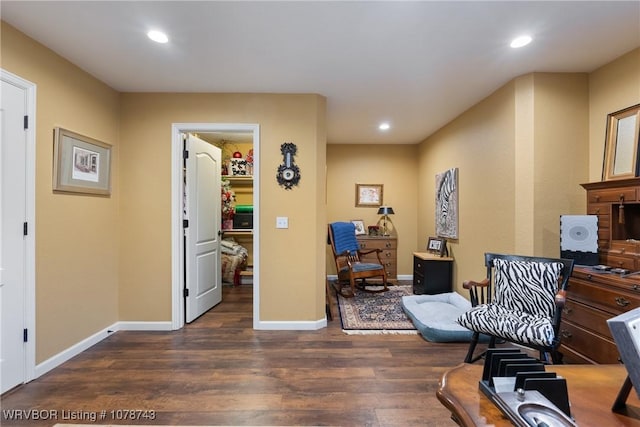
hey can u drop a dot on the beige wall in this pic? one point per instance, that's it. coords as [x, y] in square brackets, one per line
[289, 273]
[612, 87]
[393, 166]
[521, 157]
[480, 144]
[561, 132]
[76, 235]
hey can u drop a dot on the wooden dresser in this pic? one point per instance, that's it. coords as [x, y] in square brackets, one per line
[593, 296]
[389, 255]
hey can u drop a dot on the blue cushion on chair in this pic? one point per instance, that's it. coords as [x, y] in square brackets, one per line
[434, 316]
[365, 266]
[344, 237]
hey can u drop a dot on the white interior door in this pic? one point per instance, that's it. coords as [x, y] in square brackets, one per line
[202, 235]
[12, 239]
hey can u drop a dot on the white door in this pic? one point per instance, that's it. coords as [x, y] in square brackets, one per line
[203, 287]
[12, 235]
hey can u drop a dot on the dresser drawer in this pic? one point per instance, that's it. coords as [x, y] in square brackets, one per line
[594, 347]
[385, 255]
[626, 194]
[389, 264]
[600, 209]
[589, 318]
[624, 249]
[608, 299]
[617, 261]
[390, 268]
[368, 244]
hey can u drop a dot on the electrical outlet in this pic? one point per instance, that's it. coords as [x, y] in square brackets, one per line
[282, 222]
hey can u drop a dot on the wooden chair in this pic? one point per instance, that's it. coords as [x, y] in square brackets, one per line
[520, 301]
[347, 256]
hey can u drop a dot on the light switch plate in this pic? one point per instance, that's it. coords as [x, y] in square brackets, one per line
[282, 222]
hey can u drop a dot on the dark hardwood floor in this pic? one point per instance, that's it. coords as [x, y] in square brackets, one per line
[219, 371]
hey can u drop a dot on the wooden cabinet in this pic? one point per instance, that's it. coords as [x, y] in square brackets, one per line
[617, 204]
[389, 255]
[431, 273]
[593, 296]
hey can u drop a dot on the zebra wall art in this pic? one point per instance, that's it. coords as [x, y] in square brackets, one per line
[447, 204]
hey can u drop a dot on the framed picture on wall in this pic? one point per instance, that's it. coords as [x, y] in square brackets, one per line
[621, 144]
[80, 164]
[368, 195]
[447, 204]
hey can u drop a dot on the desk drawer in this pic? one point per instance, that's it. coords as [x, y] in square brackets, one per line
[607, 299]
[587, 317]
[593, 346]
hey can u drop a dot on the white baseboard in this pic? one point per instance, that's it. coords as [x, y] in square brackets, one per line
[292, 326]
[144, 326]
[74, 350]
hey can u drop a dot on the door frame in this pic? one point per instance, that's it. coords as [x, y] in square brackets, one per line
[177, 194]
[30, 219]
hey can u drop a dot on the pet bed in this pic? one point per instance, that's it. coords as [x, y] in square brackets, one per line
[434, 316]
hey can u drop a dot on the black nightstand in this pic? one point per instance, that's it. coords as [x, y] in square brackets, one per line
[431, 273]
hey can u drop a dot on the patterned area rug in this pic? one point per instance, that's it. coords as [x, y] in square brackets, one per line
[369, 313]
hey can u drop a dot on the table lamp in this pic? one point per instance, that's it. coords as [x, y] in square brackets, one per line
[385, 211]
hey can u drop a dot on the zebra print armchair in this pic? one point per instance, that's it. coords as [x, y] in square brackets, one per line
[520, 301]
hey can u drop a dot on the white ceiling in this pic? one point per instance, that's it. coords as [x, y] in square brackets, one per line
[416, 64]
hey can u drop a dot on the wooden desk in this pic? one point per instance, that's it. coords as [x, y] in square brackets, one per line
[592, 391]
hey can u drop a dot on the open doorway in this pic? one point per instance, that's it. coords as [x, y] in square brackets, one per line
[205, 131]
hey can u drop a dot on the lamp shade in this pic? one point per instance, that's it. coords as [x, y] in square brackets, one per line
[385, 210]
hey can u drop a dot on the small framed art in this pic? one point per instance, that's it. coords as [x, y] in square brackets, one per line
[368, 195]
[360, 228]
[80, 164]
[437, 245]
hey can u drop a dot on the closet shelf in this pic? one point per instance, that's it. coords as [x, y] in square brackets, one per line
[239, 179]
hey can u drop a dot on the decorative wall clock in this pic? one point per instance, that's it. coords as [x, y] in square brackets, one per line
[288, 172]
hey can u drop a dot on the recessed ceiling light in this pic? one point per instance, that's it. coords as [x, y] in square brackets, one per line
[521, 41]
[384, 126]
[158, 36]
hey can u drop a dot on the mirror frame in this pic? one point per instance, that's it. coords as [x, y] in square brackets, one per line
[614, 142]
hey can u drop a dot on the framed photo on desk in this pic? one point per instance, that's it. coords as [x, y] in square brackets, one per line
[359, 224]
[437, 245]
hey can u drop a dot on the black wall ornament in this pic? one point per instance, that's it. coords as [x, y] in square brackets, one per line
[288, 172]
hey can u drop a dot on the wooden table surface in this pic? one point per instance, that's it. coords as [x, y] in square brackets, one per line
[592, 391]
